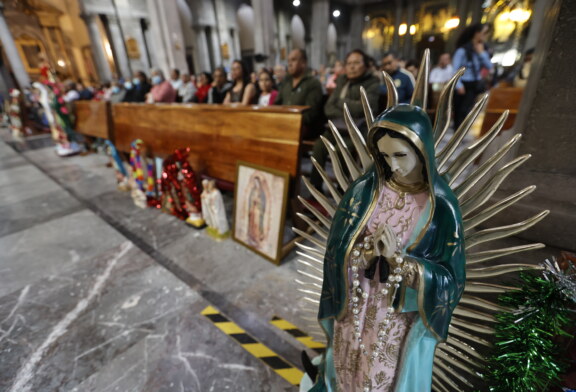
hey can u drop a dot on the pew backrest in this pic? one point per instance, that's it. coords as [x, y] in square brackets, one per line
[218, 135]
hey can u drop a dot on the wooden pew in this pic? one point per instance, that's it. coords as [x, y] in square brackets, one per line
[502, 98]
[94, 118]
[218, 135]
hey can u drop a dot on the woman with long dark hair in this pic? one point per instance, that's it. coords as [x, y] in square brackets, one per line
[471, 53]
[243, 91]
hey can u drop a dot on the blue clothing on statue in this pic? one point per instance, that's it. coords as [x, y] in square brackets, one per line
[465, 56]
[404, 82]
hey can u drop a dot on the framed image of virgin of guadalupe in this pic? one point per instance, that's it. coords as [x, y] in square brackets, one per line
[260, 199]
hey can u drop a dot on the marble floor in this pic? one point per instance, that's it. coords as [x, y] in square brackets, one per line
[99, 295]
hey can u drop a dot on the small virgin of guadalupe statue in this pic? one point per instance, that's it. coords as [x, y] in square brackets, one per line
[213, 211]
[394, 258]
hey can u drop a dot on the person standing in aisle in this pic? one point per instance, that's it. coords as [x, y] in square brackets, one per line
[471, 53]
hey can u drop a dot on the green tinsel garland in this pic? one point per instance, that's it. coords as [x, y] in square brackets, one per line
[525, 357]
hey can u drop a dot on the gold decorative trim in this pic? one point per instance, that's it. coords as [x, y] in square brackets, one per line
[406, 188]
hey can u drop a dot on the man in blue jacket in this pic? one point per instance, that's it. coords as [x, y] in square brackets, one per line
[403, 80]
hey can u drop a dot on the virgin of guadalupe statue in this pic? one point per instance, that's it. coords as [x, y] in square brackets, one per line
[256, 212]
[394, 258]
[58, 116]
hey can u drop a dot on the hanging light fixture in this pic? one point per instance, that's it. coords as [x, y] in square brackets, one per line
[402, 29]
[452, 23]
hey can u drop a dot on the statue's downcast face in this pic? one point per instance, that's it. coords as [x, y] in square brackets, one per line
[403, 161]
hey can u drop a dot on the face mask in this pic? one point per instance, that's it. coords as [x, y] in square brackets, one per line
[115, 90]
[136, 81]
[156, 79]
[128, 85]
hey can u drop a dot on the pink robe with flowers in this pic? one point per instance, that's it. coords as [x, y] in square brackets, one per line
[355, 371]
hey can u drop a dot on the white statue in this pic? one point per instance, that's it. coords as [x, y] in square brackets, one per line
[213, 210]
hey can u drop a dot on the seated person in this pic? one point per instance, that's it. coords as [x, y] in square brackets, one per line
[267, 89]
[220, 86]
[347, 91]
[187, 89]
[162, 90]
[203, 86]
[137, 89]
[242, 91]
[301, 88]
[403, 80]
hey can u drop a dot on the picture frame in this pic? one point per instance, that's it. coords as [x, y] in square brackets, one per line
[260, 201]
[30, 51]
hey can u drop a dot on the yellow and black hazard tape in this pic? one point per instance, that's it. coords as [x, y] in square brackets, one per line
[299, 335]
[282, 367]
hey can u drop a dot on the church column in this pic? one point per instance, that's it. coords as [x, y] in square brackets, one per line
[119, 47]
[264, 29]
[167, 37]
[409, 39]
[215, 43]
[100, 59]
[202, 51]
[320, 20]
[223, 32]
[356, 27]
[12, 52]
[173, 37]
[546, 120]
[397, 22]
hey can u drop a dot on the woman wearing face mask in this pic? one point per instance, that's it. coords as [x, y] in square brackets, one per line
[267, 89]
[117, 93]
[162, 90]
[394, 268]
[139, 87]
[242, 91]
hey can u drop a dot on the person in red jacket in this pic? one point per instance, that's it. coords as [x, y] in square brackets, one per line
[203, 86]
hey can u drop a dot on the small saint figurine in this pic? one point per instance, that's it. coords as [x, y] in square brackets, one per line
[15, 115]
[118, 164]
[143, 181]
[213, 211]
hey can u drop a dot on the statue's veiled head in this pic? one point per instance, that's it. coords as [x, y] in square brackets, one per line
[401, 143]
